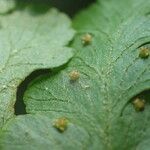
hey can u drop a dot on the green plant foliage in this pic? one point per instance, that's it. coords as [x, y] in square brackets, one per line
[28, 43]
[99, 103]
[6, 6]
[36, 132]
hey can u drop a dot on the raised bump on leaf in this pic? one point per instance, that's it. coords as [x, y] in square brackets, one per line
[139, 104]
[61, 124]
[86, 39]
[74, 75]
[144, 52]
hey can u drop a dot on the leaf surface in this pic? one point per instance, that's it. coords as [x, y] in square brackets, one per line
[27, 43]
[111, 74]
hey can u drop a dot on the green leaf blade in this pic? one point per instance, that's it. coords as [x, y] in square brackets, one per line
[28, 129]
[111, 74]
[29, 43]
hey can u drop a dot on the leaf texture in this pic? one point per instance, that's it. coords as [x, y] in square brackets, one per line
[111, 74]
[29, 43]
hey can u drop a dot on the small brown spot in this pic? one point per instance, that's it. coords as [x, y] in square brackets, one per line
[74, 75]
[144, 52]
[139, 104]
[87, 39]
[61, 124]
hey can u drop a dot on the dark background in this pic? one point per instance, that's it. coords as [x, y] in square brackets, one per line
[71, 7]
